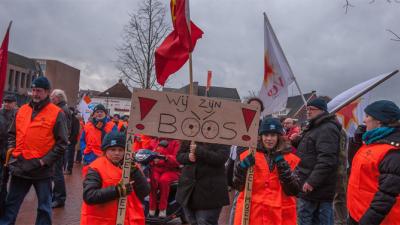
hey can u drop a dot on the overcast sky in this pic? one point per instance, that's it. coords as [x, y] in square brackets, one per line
[328, 50]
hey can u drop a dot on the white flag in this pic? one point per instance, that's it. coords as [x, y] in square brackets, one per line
[353, 114]
[277, 73]
[355, 92]
[84, 107]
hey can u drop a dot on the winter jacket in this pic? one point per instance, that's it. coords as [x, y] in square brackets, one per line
[94, 194]
[37, 171]
[318, 150]
[202, 184]
[289, 180]
[170, 152]
[273, 189]
[6, 118]
[388, 190]
[63, 105]
[75, 130]
[100, 194]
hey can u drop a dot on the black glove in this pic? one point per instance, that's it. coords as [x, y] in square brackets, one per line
[247, 162]
[28, 165]
[361, 129]
[124, 189]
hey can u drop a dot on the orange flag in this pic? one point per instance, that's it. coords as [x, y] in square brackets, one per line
[173, 53]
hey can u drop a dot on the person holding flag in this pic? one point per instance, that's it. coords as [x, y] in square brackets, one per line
[274, 184]
[373, 189]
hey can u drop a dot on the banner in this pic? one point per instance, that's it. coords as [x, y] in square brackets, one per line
[196, 118]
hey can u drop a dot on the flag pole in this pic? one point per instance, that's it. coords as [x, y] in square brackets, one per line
[284, 56]
[190, 53]
[363, 92]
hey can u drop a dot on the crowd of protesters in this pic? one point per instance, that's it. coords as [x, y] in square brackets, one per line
[306, 175]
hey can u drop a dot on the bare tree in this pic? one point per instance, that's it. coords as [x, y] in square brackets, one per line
[397, 37]
[250, 94]
[348, 4]
[146, 29]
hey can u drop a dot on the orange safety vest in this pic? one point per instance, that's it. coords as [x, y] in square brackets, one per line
[269, 203]
[106, 213]
[120, 124]
[93, 137]
[363, 182]
[34, 137]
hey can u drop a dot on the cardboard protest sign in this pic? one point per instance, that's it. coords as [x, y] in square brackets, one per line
[196, 118]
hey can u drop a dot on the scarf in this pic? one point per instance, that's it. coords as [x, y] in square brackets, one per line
[376, 134]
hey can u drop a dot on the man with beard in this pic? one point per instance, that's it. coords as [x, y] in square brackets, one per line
[37, 139]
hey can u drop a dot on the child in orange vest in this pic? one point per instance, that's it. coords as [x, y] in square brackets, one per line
[274, 184]
[102, 187]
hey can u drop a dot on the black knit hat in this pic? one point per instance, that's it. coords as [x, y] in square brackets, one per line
[319, 103]
[10, 98]
[384, 111]
[41, 82]
[113, 139]
[270, 125]
[100, 107]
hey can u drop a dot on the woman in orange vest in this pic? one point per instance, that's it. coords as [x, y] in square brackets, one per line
[374, 183]
[274, 184]
[102, 187]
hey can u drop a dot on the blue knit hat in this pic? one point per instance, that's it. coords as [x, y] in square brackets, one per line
[319, 103]
[100, 107]
[270, 125]
[384, 111]
[41, 82]
[113, 139]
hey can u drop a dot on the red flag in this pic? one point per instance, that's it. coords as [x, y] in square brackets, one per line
[173, 53]
[4, 61]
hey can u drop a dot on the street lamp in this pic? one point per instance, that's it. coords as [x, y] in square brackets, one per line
[107, 94]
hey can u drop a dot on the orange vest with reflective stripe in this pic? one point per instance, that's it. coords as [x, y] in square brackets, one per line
[34, 137]
[106, 213]
[269, 203]
[93, 137]
[363, 182]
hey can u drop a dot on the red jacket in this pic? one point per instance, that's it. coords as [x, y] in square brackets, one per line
[170, 152]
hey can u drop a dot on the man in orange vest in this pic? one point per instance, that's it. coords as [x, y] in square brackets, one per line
[274, 184]
[102, 187]
[93, 132]
[374, 183]
[38, 138]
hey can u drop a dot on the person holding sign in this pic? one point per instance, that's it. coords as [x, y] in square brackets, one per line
[274, 184]
[102, 187]
[202, 188]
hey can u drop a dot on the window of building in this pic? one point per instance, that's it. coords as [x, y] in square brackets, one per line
[10, 80]
[28, 80]
[16, 83]
[22, 80]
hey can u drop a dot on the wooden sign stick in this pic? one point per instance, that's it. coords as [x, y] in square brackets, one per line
[126, 172]
[247, 192]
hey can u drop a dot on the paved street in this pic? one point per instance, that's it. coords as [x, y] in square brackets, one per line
[70, 214]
